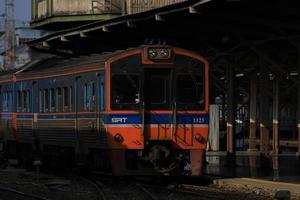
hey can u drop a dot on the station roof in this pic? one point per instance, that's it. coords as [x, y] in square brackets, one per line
[247, 34]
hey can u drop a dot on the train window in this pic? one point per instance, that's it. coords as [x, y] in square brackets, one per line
[46, 100]
[58, 100]
[10, 101]
[4, 100]
[102, 94]
[158, 89]
[93, 97]
[190, 91]
[125, 90]
[7, 101]
[66, 99]
[52, 100]
[41, 101]
[28, 101]
[19, 101]
[0, 97]
[89, 97]
[85, 90]
[71, 98]
[25, 101]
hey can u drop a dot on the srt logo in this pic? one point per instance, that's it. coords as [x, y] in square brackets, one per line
[119, 120]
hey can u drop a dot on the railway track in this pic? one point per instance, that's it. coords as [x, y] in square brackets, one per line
[156, 189]
[112, 189]
[186, 192]
[107, 187]
[170, 188]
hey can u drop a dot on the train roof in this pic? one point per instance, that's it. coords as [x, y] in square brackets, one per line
[54, 64]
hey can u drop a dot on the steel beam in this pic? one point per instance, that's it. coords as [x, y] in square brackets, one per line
[276, 68]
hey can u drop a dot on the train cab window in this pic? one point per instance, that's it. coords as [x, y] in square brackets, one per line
[125, 92]
[190, 91]
[89, 97]
[158, 89]
[58, 100]
[46, 100]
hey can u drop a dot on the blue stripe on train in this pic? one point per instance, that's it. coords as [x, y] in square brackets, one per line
[127, 118]
[157, 119]
[6, 116]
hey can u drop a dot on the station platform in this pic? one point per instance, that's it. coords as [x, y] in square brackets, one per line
[278, 190]
[282, 168]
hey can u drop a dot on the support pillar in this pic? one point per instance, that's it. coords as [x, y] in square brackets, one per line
[252, 127]
[214, 134]
[264, 112]
[230, 116]
[275, 141]
[275, 167]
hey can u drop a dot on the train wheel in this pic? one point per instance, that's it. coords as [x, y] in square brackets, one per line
[197, 162]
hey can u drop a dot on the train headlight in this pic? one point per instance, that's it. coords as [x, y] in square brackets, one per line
[199, 138]
[159, 53]
[118, 138]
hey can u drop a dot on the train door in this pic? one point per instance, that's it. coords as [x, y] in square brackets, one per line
[77, 107]
[158, 103]
[86, 112]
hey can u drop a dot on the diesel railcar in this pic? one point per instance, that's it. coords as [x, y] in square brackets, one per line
[138, 111]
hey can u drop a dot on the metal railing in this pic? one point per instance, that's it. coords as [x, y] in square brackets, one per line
[48, 8]
[44, 8]
[136, 6]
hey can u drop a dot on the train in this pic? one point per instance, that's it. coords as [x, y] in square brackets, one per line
[138, 111]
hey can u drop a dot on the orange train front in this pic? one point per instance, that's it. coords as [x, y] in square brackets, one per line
[157, 105]
[145, 110]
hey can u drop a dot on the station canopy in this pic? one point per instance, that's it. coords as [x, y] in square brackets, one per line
[247, 34]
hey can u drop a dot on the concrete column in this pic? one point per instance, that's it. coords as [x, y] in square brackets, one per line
[264, 112]
[230, 111]
[275, 141]
[275, 167]
[214, 135]
[253, 103]
[129, 7]
[223, 111]
[253, 164]
[33, 10]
